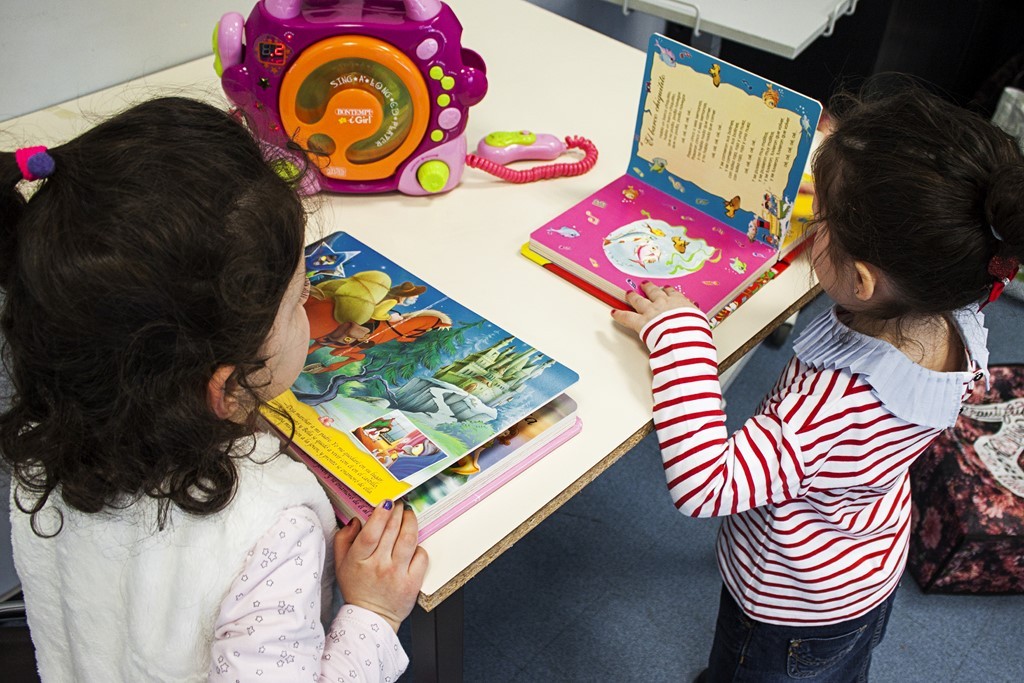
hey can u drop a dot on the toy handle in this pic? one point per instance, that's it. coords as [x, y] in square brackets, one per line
[422, 10]
[541, 172]
[227, 41]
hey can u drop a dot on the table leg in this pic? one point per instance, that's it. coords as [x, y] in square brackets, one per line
[437, 641]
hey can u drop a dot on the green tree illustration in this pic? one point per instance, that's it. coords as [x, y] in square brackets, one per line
[393, 363]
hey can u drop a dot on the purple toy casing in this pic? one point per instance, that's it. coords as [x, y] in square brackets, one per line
[426, 31]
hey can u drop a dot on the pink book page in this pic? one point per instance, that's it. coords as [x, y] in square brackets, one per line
[628, 232]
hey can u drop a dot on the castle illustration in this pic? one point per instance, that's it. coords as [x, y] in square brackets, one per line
[468, 389]
[495, 374]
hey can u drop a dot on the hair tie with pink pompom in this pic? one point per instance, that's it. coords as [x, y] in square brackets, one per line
[35, 162]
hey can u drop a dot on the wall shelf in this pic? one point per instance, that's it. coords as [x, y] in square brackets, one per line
[782, 27]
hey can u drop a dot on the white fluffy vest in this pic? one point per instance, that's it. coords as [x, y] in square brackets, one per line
[112, 598]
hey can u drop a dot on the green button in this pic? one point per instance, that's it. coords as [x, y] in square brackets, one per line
[444, 100]
[436, 135]
[504, 138]
[447, 82]
[433, 175]
[436, 72]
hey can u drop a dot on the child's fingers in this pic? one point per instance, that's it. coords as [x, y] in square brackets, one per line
[349, 532]
[688, 301]
[386, 543]
[407, 540]
[627, 319]
[637, 301]
[633, 294]
[368, 540]
[665, 297]
[678, 299]
[652, 290]
[418, 565]
[344, 538]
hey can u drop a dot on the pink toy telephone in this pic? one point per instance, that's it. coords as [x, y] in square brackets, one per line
[499, 149]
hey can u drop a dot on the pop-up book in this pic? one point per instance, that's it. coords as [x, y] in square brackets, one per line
[706, 204]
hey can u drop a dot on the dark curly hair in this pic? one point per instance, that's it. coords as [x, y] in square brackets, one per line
[159, 250]
[915, 185]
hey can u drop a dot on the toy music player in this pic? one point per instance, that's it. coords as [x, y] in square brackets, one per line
[375, 92]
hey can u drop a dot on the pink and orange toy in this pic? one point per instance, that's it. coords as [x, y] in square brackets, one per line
[374, 92]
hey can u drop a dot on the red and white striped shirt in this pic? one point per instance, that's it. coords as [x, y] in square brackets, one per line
[816, 485]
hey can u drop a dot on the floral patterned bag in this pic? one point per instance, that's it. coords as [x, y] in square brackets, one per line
[967, 533]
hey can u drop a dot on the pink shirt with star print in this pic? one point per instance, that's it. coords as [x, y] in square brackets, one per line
[269, 627]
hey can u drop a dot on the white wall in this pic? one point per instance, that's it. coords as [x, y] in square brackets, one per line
[57, 50]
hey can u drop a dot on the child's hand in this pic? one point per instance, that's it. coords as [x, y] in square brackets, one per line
[659, 300]
[381, 567]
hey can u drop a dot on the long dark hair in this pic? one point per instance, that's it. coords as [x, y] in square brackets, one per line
[159, 250]
[920, 188]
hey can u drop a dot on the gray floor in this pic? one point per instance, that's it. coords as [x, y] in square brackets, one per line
[618, 586]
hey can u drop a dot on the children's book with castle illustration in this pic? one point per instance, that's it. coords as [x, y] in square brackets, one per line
[473, 477]
[401, 381]
[706, 204]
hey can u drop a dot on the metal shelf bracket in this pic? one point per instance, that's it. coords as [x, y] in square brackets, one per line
[670, 5]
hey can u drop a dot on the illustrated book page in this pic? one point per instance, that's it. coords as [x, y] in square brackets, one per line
[400, 379]
[721, 138]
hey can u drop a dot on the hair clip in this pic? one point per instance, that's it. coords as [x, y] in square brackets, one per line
[35, 162]
[1003, 269]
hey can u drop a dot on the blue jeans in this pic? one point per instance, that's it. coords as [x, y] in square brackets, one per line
[749, 651]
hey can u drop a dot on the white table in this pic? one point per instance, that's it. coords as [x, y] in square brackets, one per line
[550, 75]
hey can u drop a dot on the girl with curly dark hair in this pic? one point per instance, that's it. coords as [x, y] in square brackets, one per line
[153, 302]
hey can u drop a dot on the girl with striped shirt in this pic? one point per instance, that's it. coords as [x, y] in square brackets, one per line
[920, 222]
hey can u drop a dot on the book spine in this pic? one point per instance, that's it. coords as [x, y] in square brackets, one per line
[572, 279]
[766, 277]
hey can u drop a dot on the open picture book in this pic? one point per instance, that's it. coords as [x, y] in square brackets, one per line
[473, 477]
[401, 381]
[706, 205]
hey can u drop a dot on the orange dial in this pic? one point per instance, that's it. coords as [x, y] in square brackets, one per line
[357, 105]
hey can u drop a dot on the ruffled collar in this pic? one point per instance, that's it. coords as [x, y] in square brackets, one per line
[908, 390]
